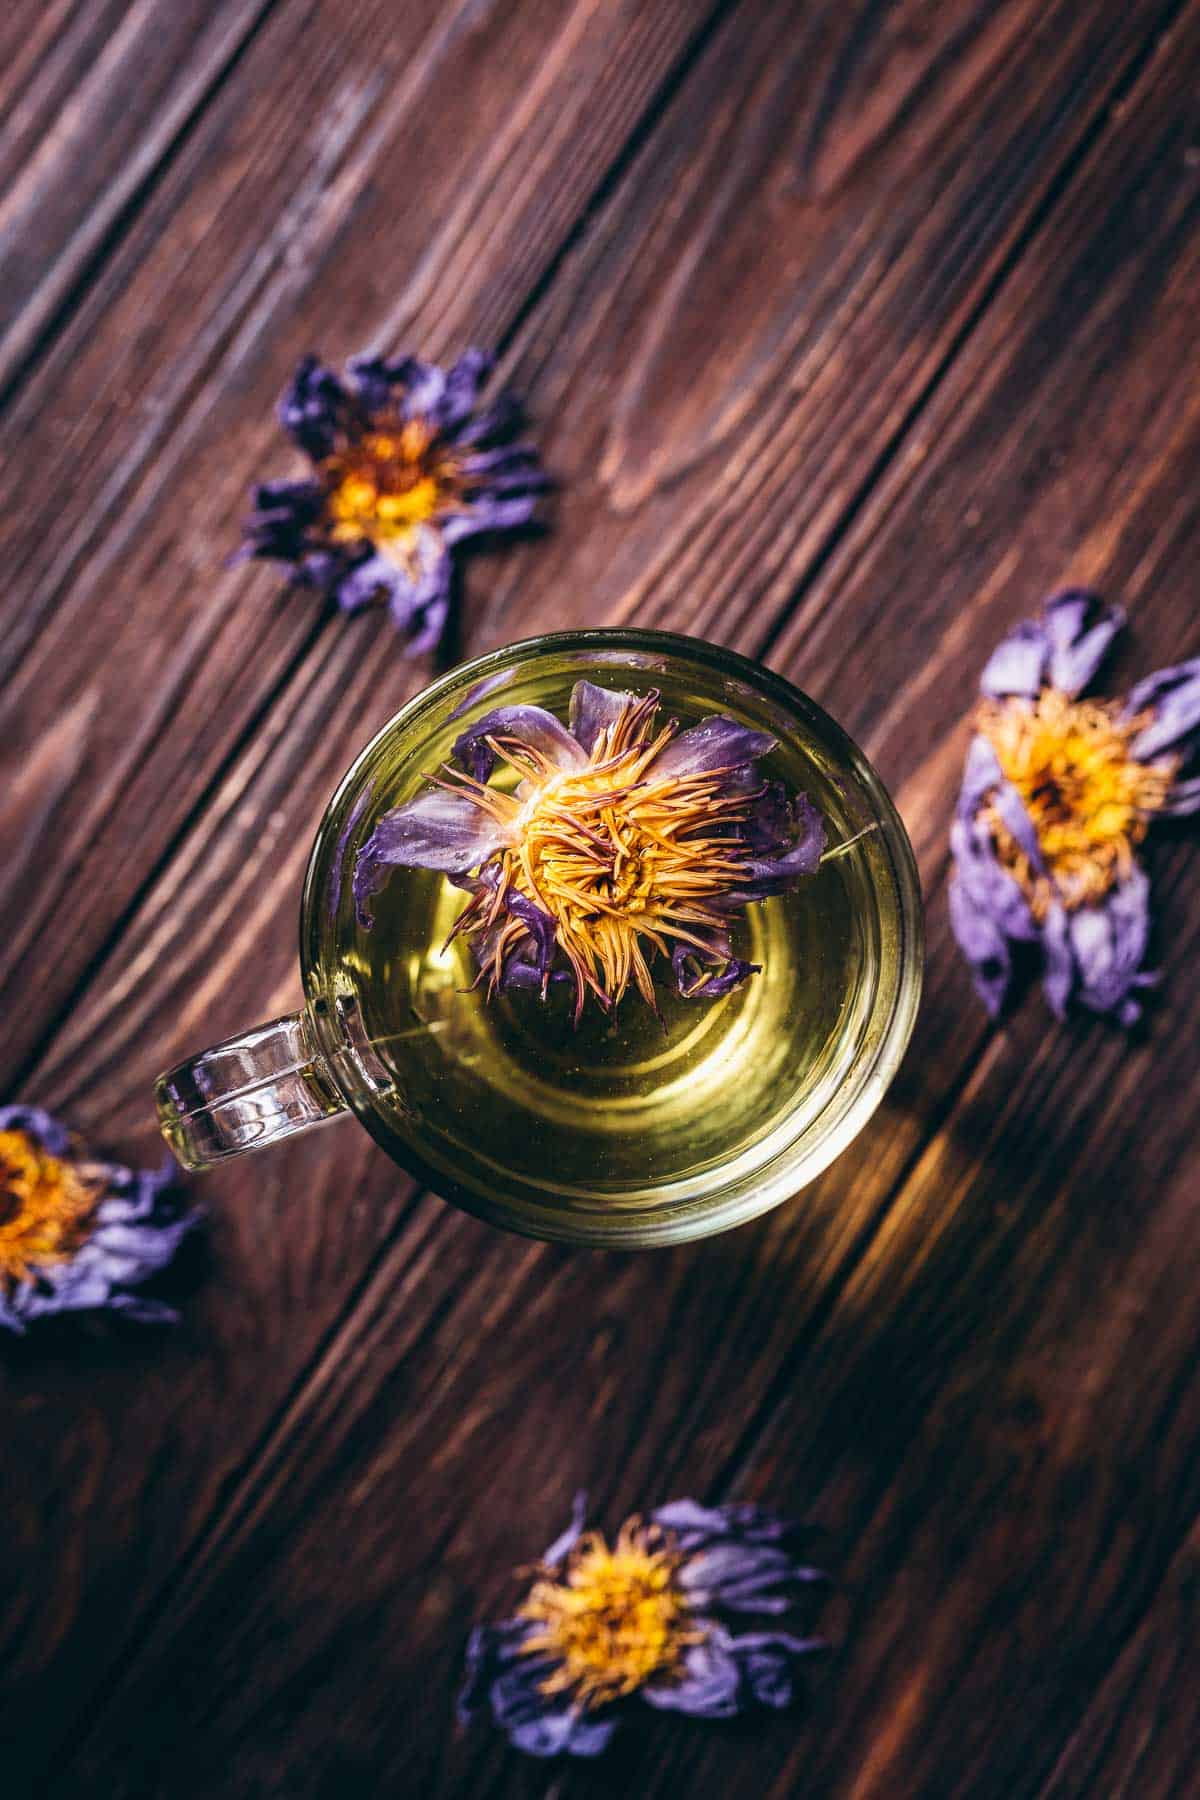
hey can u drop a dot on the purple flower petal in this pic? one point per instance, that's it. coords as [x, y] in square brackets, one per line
[734, 1568]
[1108, 946]
[766, 1660]
[566, 1732]
[1182, 799]
[529, 725]
[314, 408]
[1080, 627]
[1173, 697]
[593, 710]
[465, 380]
[1064, 647]
[440, 829]
[501, 419]
[1018, 665]
[709, 1686]
[688, 968]
[338, 869]
[716, 743]
[566, 1541]
[984, 945]
[694, 1524]
[796, 854]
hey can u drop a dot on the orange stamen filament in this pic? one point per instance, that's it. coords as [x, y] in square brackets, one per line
[46, 1205]
[613, 1619]
[611, 853]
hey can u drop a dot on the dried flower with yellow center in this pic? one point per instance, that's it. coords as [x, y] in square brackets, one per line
[1090, 801]
[611, 1619]
[77, 1235]
[46, 1205]
[1058, 794]
[657, 1620]
[408, 462]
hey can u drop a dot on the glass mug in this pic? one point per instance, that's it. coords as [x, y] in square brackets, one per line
[625, 1129]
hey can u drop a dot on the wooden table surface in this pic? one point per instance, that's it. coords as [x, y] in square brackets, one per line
[850, 331]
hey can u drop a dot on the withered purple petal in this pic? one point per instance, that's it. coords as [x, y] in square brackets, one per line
[337, 872]
[694, 1524]
[983, 943]
[1173, 697]
[315, 408]
[502, 418]
[437, 830]
[710, 1684]
[1183, 798]
[527, 963]
[767, 1663]
[528, 725]
[1108, 945]
[593, 710]
[1080, 628]
[796, 853]
[1064, 647]
[731, 1567]
[716, 743]
[694, 984]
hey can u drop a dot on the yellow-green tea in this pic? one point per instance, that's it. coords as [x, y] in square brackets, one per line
[623, 1110]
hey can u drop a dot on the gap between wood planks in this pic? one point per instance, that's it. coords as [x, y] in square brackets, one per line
[246, 1486]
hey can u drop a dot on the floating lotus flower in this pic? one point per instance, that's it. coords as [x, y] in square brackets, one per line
[624, 839]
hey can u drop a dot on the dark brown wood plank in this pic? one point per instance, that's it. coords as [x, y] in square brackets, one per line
[1140, 1733]
[443, 1370]
[92, 99]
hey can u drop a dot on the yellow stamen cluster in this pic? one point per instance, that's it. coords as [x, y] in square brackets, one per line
[386, 481]
[613, 1619]
[1089, 800]
[46, 1206]
[616, 855]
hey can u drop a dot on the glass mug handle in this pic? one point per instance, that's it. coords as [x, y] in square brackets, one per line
[246, 1093]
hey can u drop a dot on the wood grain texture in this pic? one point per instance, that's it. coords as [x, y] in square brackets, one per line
[853, 381]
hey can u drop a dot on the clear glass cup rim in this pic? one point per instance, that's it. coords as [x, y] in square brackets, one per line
[717, 1214]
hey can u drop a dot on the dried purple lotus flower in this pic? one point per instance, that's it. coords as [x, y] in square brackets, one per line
[623, 839]
[406, 464]
[77, 1235]
[1058, 795]
[651, 1619]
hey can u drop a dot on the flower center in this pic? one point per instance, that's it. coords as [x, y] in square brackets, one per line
[45, 1207]
[386, 481]
[614, 1618]
[616, 855]
[1089, 800]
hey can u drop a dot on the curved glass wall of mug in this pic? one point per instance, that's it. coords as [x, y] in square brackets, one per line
[625, 1128]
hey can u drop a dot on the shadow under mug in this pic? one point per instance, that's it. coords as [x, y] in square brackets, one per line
[626, 1130]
